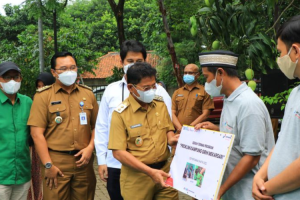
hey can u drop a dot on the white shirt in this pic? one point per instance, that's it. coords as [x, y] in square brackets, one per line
[111, 98]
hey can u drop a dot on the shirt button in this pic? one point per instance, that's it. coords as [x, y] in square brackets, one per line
[73, 118]
[75, 129]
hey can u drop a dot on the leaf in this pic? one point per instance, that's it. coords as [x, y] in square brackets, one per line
[205, 10]
[215, 27]
[265, 39]
[251, 27]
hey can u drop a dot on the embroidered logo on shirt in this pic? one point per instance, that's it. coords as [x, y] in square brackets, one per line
[297, 114]
[135, 126]
[227, 126]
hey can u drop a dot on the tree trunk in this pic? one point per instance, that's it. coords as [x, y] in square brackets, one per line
[119, 15]
[55, 31]
[41, 46]
[171, 47]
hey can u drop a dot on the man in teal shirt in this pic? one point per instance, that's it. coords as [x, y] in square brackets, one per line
[14, 132]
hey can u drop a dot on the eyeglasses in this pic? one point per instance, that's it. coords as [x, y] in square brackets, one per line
[146, 88]
[15, 78]
[63, 69]
[190, 73]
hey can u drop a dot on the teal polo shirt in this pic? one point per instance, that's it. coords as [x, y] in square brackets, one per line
[15, 165]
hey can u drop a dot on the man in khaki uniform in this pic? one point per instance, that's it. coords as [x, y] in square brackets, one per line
[140, 132]
[62, 121]
[190, 103]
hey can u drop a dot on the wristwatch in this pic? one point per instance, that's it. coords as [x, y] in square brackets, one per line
[48, 165]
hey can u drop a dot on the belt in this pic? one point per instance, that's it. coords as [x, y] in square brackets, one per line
[158, 165]
[73, 152]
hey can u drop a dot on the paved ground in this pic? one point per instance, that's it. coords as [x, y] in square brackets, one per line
[101, 192]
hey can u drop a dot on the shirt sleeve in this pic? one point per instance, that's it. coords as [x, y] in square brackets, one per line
[101, 131]
[252, 130]
[208, 102]
[39, 112]
[117, 134]
[174, 105]
[167, 99]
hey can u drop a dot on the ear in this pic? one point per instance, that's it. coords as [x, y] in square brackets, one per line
[297, 49]
[130, 87]
[53, 73]
[220, 71]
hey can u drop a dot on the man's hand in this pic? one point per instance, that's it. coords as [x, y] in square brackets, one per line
[158, 177]
[258, 189]
[207, 125]
[51, 176]
[102, 169]
[172, 141]
[85, 154]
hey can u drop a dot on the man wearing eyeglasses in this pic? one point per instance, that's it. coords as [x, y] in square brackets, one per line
[190, 103]
[15, 173]
[140, 132]
[62, 121]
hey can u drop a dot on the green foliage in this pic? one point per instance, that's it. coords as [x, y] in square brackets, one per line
[117, 75]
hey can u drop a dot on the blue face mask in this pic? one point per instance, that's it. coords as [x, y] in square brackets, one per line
[188, 79]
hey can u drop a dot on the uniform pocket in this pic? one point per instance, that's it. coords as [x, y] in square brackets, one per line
[179, 102]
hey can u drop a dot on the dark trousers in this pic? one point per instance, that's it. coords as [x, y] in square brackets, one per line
[113, 183]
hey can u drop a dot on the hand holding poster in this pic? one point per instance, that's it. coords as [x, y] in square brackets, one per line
[200, 159]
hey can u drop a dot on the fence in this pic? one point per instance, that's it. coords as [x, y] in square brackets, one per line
[98, 91]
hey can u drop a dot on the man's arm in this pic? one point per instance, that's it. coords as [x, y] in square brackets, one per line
[102, 136]
[259, 180]
[201, 118]
[129, 160]
[286, 181]
[176, 122]
[241, 169]
[41, 146]
[167, 99]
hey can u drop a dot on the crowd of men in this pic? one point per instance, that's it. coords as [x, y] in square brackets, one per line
[136, 127]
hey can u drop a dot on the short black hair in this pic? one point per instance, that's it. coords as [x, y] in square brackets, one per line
[132, 45]
[58, 55]
[138, 71]
[289, 32]
[231, 72]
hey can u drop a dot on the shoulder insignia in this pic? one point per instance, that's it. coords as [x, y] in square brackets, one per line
[44, 88]
[158, 98]
[120, 108]
[85, 86]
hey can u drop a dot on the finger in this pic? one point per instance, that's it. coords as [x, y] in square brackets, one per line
[164, 174]
[47, 181]
[79, 153]
[50, 183]
[81, 159]
[60, 173]
[81, 164]
[55, 182]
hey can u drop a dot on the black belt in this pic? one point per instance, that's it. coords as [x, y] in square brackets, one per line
[158, 165]
[73, 152]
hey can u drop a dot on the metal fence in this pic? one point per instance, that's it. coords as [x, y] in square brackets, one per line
[98, 91]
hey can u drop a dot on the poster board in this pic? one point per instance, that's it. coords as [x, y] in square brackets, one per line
[200, 159]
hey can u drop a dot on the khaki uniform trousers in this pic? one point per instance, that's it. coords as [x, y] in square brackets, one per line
[76, 184]
[136, 185]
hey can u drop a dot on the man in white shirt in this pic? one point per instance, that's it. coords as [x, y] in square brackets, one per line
[109, 168]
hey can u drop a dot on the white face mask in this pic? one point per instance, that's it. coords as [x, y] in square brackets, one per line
[67, 78]
[126, 67]
[212, 89]
[145, 96]
[286, 65]
[11, 87]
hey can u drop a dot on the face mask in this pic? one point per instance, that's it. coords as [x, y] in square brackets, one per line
[11, 87]
[126, 67]
[145, 96]
[67, 78]
[188, 79]
[286, 65]
[212, 89]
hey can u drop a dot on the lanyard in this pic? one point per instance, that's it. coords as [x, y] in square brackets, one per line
[123, 92]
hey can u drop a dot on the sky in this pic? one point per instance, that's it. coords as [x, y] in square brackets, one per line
[13, 2]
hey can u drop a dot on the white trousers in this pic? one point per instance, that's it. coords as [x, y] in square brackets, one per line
[14, 192]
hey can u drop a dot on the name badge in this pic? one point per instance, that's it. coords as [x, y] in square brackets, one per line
[180, 95]
[135, 126]
[83, 118]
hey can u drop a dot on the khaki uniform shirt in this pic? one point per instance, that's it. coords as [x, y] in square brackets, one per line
[130, 121]
[70, 134]
[189, 104]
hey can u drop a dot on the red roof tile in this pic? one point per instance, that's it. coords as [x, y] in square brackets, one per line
[113, 59]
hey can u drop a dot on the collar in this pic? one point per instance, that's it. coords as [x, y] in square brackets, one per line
[4, 98]
[57, 87]
[237, 92]
[123, 81]
[196, 86]
[135, 105]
